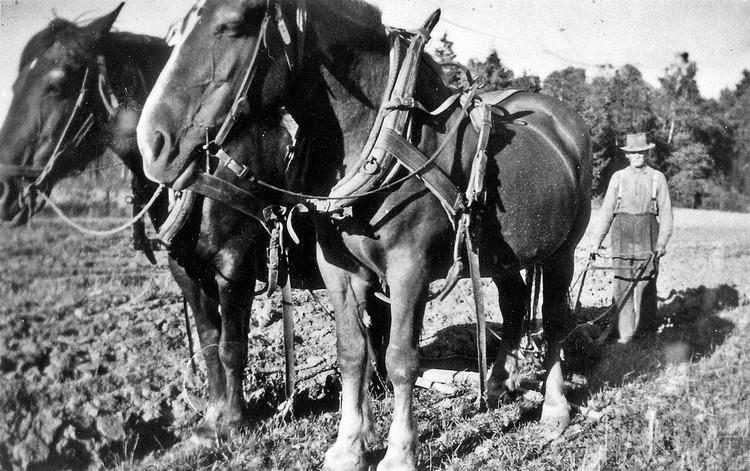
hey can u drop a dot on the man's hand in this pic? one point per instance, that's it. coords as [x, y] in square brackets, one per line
[660, 252]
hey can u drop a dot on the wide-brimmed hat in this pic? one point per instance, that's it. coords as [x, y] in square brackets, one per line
[637, 143]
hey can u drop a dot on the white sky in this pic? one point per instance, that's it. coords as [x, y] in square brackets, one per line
[535, 36]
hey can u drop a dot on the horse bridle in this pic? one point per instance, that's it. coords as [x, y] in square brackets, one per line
[66, 144]
[240, 105]
[294, 57]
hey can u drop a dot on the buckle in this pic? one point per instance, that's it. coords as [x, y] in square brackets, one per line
[236, 167]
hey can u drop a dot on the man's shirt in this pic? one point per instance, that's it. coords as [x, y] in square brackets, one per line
[634, 188]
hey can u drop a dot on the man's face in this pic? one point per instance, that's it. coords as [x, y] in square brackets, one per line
[636, 159]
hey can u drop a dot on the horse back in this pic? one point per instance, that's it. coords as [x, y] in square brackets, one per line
[539, 176]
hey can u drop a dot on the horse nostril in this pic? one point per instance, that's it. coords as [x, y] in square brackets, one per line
[157, 144]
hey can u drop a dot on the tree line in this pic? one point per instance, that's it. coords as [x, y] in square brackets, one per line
[702, 144]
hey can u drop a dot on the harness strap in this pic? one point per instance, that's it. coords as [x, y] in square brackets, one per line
[274, 255]
[432, 176]
[404, 103]
[239, 106]
[237, 168]
[475, 188]
[481, 327]
[375, 163]
[287, 314]
[231, 195]
[178, 216]
[109, 99]
[59, 148]
[9, 170]
[492, 99]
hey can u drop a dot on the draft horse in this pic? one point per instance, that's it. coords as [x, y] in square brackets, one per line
[80, 90]
[328, 63]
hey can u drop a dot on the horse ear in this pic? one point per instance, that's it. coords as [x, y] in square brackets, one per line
[101, 26]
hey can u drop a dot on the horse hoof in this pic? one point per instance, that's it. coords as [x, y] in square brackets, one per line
[554, 421]
[228, 428]
[204, 435]
[341, 458]
[389, 464]
[499, 393]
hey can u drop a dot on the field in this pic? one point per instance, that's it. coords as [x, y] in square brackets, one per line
[95, 370]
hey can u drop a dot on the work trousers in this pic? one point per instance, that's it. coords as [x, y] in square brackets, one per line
[633, 242]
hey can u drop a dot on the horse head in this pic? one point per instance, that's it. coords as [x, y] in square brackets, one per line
[59, 100]
[223, 48]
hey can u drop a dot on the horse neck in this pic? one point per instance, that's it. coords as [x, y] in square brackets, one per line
[336, 100]
[134, 63]
[346, 103]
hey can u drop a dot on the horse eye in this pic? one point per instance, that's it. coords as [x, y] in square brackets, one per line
[54, 89]
[232, 29]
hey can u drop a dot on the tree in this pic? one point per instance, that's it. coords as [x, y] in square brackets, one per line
[697, 137]
[493, 71]
[529, 83]
[679, 79]
[737, 119]
[614, 107]
[444, 54]
[569, 86]
[689, 172]
[444, 51]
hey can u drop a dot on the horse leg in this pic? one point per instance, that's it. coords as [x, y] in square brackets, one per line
[207, 323]
[513, 296]
[235, 300]
[557, 273]
[348, 293]
[380, 313]
[408, 282]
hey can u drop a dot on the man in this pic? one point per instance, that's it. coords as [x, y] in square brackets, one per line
[638, 209]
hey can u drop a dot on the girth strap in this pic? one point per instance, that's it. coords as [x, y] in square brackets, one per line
[410, 157]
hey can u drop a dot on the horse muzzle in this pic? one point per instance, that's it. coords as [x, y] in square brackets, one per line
[16, 207]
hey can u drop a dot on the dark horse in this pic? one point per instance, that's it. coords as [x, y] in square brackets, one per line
[79, 91]
[330, 72]
[214, 258]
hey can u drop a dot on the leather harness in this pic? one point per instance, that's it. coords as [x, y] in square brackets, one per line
[387, 147]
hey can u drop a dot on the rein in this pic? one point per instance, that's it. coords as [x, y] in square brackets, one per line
[108, 232]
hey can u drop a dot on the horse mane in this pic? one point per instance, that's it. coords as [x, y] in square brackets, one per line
[57, 29]
[359, 17]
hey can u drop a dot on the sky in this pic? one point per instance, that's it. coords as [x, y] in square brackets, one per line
[530, 36]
